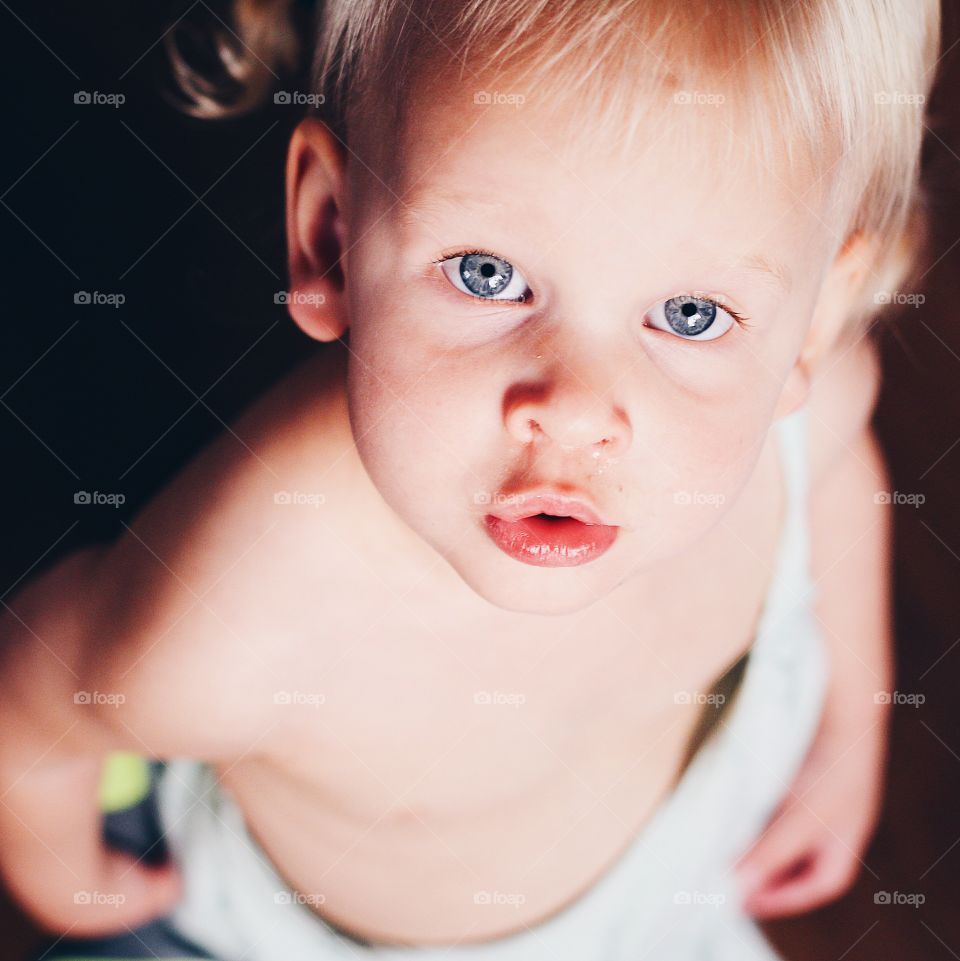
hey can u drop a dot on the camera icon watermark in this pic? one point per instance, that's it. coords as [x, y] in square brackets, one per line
[98, 897]
[698, 98]
[713, 698]
[511, 699]
[298, 897]
[286, 297]
[913, 899]
[485, 98]
[691, 498]
[99, 697]
[98, 298]
[96, 98]
[308, 498]
[899, 697]
[485, 498]
[99, 498]
[299, 698]
[899, 498]
[899, 98]
[513, 898]
[298, 98]
[899, 298]
[714, 898]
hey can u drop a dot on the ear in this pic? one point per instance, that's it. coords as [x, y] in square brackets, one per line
[316, 231]
[840, 293]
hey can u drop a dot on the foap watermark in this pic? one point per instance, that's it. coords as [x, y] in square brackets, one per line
[486, 498]
[297, 698]
[98, 298]
[899, 697]
[712, 698]
[99, 897]
[99, 697]
[485, 98]
[899, 298]
[899, 498]
[913, 898]
[97, 99]
[899, 98]
[688, 498]
[716, 898]
[509, 698]
[99, 498]
[308, 498]
[499, 897]
[299, 297]
[298, 98]
[698, 98]
[298, 897]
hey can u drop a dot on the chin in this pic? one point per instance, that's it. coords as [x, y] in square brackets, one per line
[546, 592]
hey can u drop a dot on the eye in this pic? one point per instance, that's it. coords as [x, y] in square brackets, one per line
[486, 276]
[692, 318]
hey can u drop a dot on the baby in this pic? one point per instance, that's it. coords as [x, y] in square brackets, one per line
[544, 612]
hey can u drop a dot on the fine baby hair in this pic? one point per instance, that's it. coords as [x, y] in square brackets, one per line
[833, 89]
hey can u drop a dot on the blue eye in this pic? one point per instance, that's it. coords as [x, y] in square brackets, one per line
[692, 318]
[486, 276]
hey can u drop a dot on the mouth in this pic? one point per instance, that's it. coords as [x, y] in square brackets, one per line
[550, 531]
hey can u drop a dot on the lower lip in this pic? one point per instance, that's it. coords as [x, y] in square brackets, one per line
[550, 542]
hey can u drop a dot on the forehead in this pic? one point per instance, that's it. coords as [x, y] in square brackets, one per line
[488, 155]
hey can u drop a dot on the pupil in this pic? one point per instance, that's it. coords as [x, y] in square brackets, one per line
[487, 269]
[688, 309]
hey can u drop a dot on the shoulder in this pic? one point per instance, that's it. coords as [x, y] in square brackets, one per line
[840, 407]
[202, 610]
[301, 409]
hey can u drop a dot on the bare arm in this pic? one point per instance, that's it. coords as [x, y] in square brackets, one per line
[812, 851]
[167, 642]
[851, 563]
[850, 523]
[52, 748]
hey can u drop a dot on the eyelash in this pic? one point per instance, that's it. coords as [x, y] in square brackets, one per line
[740, 318]
[482, 253]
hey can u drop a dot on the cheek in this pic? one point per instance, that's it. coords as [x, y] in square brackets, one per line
[731, 373]
[689, 474]
[417, 428]
[429, 393]
[719, 449]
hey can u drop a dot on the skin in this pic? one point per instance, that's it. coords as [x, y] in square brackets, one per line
[626, 412]
[430, 403]
[815, 845]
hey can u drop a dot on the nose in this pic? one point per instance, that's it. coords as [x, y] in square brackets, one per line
[573, 413]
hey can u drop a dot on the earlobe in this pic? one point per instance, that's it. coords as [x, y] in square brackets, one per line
[316, 231]
[840, 294]
[796, 390]
[842, 285]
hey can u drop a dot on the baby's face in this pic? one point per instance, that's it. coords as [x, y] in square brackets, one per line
[540, 315]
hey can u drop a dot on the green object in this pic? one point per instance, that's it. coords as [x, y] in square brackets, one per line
[125, 780]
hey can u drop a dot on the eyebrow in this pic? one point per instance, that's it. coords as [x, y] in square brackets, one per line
[774, 269]
[410, 211]
[769, 268]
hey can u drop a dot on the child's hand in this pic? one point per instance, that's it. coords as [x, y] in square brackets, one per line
[52, 749]
[53, 859]
[810, 852]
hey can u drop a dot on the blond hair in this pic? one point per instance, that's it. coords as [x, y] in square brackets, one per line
[836, 88]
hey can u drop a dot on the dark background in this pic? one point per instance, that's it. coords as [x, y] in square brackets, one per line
[183, 217]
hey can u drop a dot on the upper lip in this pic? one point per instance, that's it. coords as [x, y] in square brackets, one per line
[544, 501]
